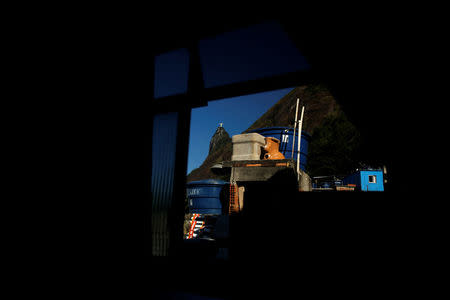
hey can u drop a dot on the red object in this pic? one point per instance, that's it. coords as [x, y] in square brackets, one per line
[234, 199]
[194, 222]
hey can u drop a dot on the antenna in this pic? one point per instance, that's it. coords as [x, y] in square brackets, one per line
[299, 138]
[295, 126]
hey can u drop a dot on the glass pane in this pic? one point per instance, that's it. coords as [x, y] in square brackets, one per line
[171, 73]
[163, 166]
[255, 52]
[234, 115]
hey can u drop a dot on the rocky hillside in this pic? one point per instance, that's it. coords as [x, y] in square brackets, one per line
[220, 149]
[322, 114]
[318, 102]
[219, 139]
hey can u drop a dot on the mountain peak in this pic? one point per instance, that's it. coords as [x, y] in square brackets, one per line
[219, 138]
[319, 104]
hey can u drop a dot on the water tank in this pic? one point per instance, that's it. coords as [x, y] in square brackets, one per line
[286, 135]
[204, 196]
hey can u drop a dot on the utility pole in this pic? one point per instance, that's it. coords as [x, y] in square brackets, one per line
[299, 139]
[295, 126]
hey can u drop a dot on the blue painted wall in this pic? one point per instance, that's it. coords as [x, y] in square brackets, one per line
[372, 187]
[361, 179]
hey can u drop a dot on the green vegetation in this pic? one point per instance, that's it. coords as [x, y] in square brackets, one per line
[334, 147]
[335, 143]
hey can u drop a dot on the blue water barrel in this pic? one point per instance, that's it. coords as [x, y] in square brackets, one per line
[286, 135]
[326, 185]
[204, 196]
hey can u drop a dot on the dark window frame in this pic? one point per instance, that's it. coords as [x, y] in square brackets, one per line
[197, 96]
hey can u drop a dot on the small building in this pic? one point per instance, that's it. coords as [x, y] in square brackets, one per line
[367, 180]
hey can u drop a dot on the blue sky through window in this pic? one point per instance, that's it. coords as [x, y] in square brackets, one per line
[237, 114]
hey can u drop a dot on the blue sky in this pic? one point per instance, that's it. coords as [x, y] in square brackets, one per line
[258, 51]
[236, 114]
